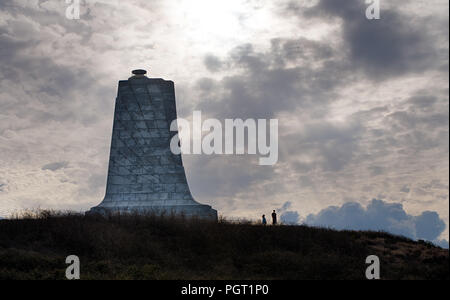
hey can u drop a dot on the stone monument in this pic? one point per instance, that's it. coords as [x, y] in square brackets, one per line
[144, 176]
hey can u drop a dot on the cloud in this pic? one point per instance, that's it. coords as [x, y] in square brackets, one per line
[225, 176]
[428, 225]
[288, 216]
[331, 145]
[392, 46]
[442, 243]
[55, 166]
[212, 63]
[405, 189]
[380, 215]
[292, 74]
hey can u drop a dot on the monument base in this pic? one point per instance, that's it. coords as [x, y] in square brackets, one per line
[200, 211]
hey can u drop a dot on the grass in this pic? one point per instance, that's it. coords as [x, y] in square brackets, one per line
[35, 245]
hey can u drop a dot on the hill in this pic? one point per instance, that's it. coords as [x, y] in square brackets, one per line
[137, 247]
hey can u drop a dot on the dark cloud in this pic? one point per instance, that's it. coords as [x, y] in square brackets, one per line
[301, 50]
[333, 146]
[423, 103]
[380, 215]
[282, 79]
[376, 170]
[212, 63]
[405, 189]
[52, 89]
[219, 176]
[420, 125]
[288, 216]
[56, 166]
[395, 45]
[428, 225]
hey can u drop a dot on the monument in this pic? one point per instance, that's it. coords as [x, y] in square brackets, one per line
[144, 176]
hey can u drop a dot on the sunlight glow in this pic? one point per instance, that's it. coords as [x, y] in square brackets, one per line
[208, 17]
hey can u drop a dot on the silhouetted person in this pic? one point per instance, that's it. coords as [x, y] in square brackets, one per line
[274, 218]
[264, 221]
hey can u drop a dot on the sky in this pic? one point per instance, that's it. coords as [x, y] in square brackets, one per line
[362, 104]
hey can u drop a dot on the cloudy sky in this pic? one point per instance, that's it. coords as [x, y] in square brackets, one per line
[362, 104]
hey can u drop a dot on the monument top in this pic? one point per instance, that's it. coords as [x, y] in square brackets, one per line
[139, 72]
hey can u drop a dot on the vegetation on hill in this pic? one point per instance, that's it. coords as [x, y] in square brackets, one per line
[148, 247]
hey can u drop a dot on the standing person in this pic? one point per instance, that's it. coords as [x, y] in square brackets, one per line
[274, 218]
[264, 221]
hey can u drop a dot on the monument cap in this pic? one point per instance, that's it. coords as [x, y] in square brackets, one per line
[139, 72]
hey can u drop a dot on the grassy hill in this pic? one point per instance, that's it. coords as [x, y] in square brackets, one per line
[131, 247]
